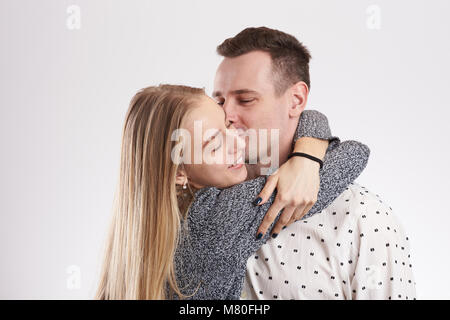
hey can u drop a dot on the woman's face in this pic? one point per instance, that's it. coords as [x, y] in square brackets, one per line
[217, 153]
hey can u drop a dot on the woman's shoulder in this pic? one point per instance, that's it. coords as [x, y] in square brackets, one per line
[211, 203]
[212, 195]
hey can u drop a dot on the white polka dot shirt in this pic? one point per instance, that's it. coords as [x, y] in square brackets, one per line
[353, 249]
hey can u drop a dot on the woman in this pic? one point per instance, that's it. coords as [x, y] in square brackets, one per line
[185, 230]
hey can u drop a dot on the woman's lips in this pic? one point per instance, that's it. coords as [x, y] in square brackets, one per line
[238, 164]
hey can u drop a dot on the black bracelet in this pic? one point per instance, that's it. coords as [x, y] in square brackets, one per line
[300, 154]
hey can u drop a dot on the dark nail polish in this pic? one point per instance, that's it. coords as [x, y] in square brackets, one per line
[284, 227]
[259, 236]
[274, 235]
[257, 201]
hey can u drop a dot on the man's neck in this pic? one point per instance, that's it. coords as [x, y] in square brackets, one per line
[285, 148]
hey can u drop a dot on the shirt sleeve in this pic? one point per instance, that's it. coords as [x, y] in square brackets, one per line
[313, 124]
[381, 251]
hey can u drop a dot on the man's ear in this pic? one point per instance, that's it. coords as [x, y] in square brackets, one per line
[181, 178]
[299, 95]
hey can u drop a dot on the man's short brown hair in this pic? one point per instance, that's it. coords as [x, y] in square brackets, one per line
[290, 58]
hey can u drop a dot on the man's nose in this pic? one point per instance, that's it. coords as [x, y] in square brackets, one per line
[231, 116]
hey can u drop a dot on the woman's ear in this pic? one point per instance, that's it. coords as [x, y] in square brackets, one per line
[299, 94]
[181, 178]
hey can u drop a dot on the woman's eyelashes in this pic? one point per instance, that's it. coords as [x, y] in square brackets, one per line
[217, 144]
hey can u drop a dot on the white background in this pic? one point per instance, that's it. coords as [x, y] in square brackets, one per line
[64, 94]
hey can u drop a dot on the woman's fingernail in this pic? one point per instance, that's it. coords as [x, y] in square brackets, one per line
[274, 235]
[259, 236]
[257, 201]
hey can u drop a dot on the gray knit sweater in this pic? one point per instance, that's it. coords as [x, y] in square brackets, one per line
[219, 234]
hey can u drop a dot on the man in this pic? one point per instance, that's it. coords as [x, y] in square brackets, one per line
[258, 91]
[263, 83]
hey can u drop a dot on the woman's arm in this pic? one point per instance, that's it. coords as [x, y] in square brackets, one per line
[314, 124]
[297, 181]
[233, 214]
[222, 224]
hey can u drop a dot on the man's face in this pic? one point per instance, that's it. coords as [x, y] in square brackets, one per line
[244, 86]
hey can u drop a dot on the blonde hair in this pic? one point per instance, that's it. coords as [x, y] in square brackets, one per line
[145, 227]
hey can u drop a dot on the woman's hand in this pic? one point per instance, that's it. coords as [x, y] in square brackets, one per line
[297, 182]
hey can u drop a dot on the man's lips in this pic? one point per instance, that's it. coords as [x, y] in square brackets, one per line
[241, 131]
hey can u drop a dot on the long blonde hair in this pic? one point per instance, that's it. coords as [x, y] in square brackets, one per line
[145, 226]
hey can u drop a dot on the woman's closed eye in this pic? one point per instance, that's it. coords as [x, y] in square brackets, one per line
[217, 142]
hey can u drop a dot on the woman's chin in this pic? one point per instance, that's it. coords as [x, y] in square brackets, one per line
[238, 173]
